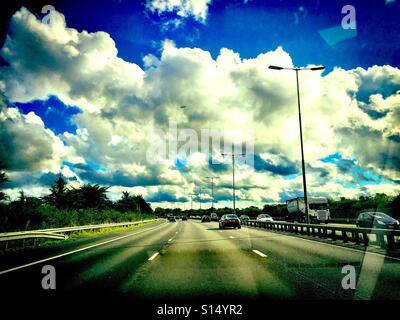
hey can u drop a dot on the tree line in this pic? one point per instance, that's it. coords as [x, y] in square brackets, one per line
[342, 208]
[89, 204]
[68, 206]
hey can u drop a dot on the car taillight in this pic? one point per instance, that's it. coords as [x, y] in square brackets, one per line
[226, 220]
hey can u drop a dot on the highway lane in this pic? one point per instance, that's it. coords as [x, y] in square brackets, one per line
[74, 260]
[321, 263]
[207, 261]
[13, 258]
[193, 260]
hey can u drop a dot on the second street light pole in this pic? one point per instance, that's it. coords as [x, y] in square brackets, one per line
[191, 201]
[303, 168]
[212, 193]
[233, 155]
[200, 198]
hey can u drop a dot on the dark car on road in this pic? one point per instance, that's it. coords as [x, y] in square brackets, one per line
[171, 219]
[376, 220]
[229, 221]
[205, 218]
[184, 218]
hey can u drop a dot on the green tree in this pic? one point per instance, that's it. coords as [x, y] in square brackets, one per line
[23, 212]
[89, 197]
[58, 193]
[132, 203]
[126, 203]
[3, 179]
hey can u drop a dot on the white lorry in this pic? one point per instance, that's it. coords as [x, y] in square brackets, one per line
[318, 210]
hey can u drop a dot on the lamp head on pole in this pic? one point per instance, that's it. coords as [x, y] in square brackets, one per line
[317, 68]
[275, 67]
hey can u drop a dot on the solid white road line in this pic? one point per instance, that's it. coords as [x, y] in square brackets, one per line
[259, 253]
[153, 256]
[77, 250]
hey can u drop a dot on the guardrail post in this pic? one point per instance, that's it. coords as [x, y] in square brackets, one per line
[365, 238]
[390, 241]
[333, 234]
[325, 233]
[356, 237]
[344, 235]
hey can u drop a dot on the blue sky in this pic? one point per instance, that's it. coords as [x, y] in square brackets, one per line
[250, 28]
[306, 30]
[55, 114]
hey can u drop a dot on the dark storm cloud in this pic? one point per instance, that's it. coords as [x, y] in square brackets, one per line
[115, 178]
[164, 196]
[284, 168]
[24, 143]
[372, 147]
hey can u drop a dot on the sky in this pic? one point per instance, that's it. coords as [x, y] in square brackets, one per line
[102, 91]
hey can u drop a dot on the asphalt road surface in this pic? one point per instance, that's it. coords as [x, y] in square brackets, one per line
[190, 260]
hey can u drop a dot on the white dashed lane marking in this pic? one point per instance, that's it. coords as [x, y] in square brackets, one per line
[260, 253]
[153, 256]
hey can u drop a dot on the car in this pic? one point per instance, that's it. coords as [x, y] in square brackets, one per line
[376, 220]
[229, 220]
[244, 217]
[214, 217]
[205, 218]
[171, 219]
[264, 218]
[184, 218]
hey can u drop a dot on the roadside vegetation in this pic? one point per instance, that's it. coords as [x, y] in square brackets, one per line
[65, 206]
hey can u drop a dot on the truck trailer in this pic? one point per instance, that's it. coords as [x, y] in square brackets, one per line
[318, 210]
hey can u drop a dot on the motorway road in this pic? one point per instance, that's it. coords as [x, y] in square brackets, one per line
[194, 260]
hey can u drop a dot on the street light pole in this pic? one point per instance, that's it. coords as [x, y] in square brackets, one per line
[303, 168]
[233, 155]
[200, 198]
[191, 201]
[212, 193]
